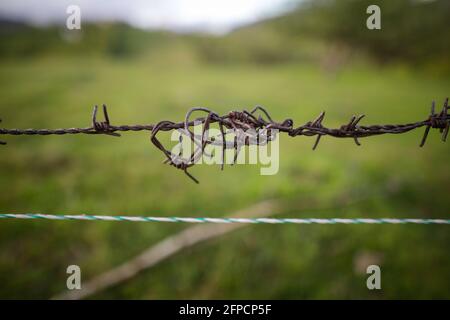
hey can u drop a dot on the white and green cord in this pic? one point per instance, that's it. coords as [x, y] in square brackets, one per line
[224, 220]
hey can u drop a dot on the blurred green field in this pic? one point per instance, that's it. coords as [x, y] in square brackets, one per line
[388, 176]
[296, 66]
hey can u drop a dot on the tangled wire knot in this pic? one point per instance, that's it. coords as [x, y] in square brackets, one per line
[247, 127]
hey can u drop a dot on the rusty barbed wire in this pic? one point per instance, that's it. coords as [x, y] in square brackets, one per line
[243, 121]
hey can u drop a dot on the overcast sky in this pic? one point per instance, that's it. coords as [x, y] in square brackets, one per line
[215, 16]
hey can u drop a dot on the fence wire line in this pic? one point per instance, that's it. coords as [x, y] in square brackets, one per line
[258, 120]
[225, 220]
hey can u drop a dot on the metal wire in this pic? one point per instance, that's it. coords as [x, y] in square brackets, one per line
[224, 220]
[258, 119]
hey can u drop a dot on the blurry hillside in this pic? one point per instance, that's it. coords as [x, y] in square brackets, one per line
[325, 31]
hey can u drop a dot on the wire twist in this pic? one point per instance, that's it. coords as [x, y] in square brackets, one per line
[225, 220]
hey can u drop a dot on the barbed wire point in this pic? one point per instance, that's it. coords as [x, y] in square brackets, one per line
[427, 129]
[104, 126]
[317, 123]
[351, 127]
[439, 121]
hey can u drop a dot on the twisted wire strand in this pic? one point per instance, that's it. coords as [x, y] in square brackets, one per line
[224, 220]
[258, 119]
[311, 128]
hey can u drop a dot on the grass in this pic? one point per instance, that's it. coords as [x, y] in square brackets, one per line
[388, 176]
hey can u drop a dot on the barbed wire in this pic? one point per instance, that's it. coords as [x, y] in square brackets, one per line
[224, 220]
[258, 120]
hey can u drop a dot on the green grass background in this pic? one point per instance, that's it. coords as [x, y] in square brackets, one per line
[388, 176]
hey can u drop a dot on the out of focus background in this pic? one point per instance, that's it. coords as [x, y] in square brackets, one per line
[153, 60]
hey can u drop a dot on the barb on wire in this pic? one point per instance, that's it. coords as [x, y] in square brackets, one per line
[102, 127]
[437, 121]
[257, 121]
